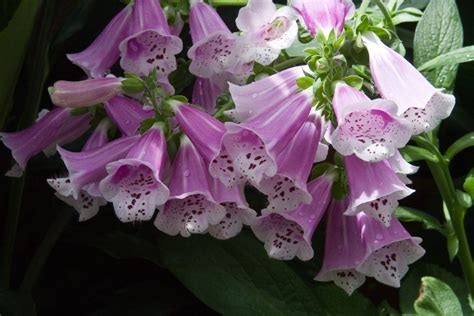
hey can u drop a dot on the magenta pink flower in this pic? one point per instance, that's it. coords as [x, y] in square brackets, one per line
[57, 127]
[237, 210]
[396, 79]
[134, 184]
[370, 129]
[266, 30]
[150, 44]
[97, 59]
[289, 234]
[191, 207]
[127, 114]
[324, 15]
[287, 189]
[375, 188]
[205, 94]
[84, 93]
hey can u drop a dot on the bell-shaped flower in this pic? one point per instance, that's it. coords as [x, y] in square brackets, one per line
[54, 127]
[150, 44]
[205, 94]
[89, 200]
[402, 167]
[286, 190]
[344, 249]
[206, 133]
[421, 104]
[389, 250]
[100, 56]
[265, 94]
[238, 212]
[266, 30]
[127, 114]
[213, 54]
[375, 188]
[289, 234]
[324, 15]
[254, 144]
[89, 166]
[84, 93]
[370, 129]
[134, 184]
[191, 207]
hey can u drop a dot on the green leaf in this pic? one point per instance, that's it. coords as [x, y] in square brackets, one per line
[462, 143]
[413, 153]
[354, 81]
[408, 214]
[15, 303]
[409, 290]
[437, 299]
[458, 56]
[439, 32]
[469, 183]
[7, 10]
[304, 82]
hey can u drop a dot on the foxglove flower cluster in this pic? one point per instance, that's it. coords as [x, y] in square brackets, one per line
[155, 156]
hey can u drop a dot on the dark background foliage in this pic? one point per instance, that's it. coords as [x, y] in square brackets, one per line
[104, 267]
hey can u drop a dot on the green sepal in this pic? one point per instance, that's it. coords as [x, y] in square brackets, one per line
[133, 85]
[304, 82]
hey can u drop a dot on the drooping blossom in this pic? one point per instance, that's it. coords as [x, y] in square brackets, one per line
[289, 234]
[324, 15]
[84, 93]
[375, 188]
[100, 56]
[370, 129]
[56, 127]
[265, 94]
[238, 212]
[266, 30]
[127, 114]
[89, 166]
[90, 199]
[213, 54]
[254, 144]
[191, 207]
[208, 141]
[134, 184]
[205, 94]
[396, 79]
[150, 44]
[286, 190]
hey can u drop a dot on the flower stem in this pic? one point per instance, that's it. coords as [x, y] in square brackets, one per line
[42, 252]
[221, 3]
[386, 14]
[295, 61]
[444, 182]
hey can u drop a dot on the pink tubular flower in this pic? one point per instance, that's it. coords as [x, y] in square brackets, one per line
[97, 59]
[287, 189]
[150, 45]
[375, 188]
[205, 94]
[135, 183]
[344, 249]
[191, 207]
[208, 141]
[289, 234]
[265, 31]
[324, 15]
[127, 114]
[396, 79]
[265, 94]
[402, 167]
[254, 144]
[89, 200]
[55, 127]
[88, 166]
[237, 210]
[370, 129]
[84, 93]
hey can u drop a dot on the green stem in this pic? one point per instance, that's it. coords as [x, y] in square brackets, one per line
[42, 252]
[386, 14]
[9, 234]
[221, 3]
[363, 6]
[295, 61]
[444, 182]
[229, 105]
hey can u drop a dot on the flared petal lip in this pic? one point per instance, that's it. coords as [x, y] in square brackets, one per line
[192, 51]
[177, 42]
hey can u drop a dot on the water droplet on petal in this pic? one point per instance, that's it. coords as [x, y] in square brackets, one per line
[379, 236]
[254, 95]
[186, 173]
